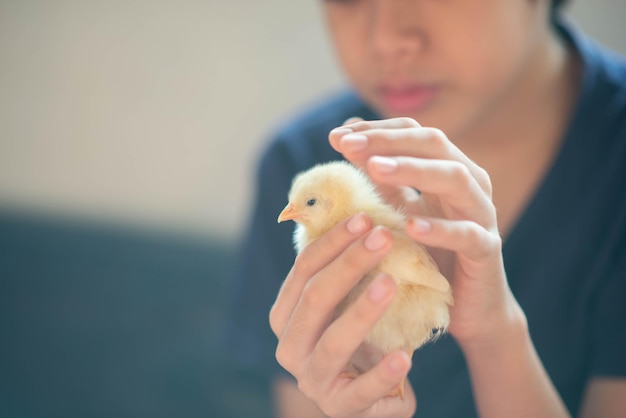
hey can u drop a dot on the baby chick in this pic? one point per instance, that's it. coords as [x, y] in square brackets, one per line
[328, 193]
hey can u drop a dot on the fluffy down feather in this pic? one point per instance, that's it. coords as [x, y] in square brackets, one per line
[328, 193]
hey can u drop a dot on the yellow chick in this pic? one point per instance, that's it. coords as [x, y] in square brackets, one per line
[328, 193]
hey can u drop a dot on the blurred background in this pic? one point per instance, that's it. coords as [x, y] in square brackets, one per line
[129, 132]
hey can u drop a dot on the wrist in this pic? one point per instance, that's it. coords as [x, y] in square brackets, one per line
[505, 328]
[508, 378]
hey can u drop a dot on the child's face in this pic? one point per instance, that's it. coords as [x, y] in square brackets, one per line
[446, 63]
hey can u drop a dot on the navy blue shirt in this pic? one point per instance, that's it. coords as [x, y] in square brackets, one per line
[565, 258]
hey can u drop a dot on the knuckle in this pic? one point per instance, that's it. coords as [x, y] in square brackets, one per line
[460, 173]
[313, 296]
[438, 141]
[474, 234]
[303, 386]
[437, 138]
[328, 350]
[484, 180]
[274, 320]
[481, 242]
[492, 212]
[283, 356]
[407, 122]
[362, 126]
[495, 243]
[379, 134]
[300, 265]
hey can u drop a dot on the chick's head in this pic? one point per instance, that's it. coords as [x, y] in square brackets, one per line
[327, 193]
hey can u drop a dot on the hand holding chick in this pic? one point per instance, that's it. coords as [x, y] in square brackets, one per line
[448, 200]
[452, 213]
[315, 345]
[326, 194]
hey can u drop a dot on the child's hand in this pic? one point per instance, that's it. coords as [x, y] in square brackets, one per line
[452, 212]
[315, 347]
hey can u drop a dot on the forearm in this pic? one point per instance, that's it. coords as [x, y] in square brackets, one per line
[508, 378]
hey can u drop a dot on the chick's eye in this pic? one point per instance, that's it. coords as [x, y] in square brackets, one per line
[311, 202]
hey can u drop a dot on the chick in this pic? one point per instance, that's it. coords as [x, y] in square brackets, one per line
[327, 193]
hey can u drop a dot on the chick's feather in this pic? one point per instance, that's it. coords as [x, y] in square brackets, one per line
[324, 195]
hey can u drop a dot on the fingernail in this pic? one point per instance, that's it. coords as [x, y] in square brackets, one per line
[377, 290]
[398, 364]
[341, 131]
[356, 224]
[384, 164]
[353, 142]
[375, 240]
[420, 225]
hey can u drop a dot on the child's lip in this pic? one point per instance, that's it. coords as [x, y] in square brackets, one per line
[407, 99]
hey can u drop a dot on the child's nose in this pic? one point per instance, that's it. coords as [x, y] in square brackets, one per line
[395, 28]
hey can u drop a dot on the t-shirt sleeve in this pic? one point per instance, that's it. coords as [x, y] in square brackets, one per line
[265, 257]
[609, 320]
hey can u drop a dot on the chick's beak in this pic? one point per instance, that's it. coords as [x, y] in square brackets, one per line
[289, 213]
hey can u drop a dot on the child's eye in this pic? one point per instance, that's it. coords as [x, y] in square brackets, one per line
[311, 202]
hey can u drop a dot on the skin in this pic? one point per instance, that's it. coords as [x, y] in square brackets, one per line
[496, 65]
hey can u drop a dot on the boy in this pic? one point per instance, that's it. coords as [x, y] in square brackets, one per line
[521, 204]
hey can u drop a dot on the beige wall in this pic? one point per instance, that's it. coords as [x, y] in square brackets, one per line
[153, 111]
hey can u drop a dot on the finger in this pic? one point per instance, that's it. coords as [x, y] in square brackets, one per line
[350, 121]
[466, 238]
[450, 181]
[358, 142]
[323, 293]
[356, 125]
[342, 338]
[374, 386]
[312, 258]
[392, 123]
[429, 143]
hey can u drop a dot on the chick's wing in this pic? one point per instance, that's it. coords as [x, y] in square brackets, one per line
[410, 263]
